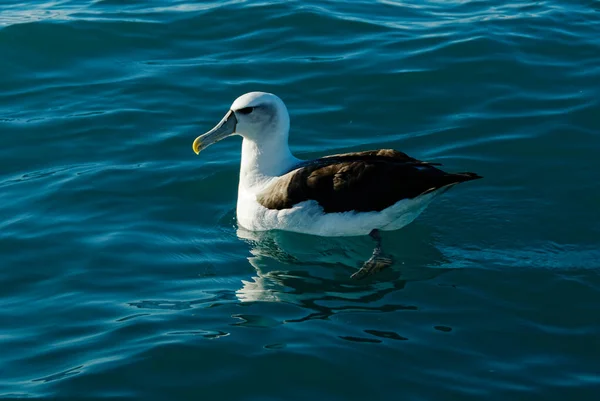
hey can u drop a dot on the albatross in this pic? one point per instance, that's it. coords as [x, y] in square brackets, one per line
[349, 194]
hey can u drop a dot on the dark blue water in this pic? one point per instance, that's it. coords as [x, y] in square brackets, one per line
[123, 272]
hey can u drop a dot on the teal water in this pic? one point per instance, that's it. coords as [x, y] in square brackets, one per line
[123, 272]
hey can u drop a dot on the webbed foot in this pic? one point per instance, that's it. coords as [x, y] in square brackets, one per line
[372, 266]
[376, 263]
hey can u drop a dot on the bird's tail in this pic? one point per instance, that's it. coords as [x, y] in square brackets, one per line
[462, 177]
[450, 180]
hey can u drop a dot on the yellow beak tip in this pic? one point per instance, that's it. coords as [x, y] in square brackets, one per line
[197, 147]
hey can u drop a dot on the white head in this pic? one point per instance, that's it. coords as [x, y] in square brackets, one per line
[256, 116]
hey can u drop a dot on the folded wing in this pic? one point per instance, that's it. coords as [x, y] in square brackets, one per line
[362, 181]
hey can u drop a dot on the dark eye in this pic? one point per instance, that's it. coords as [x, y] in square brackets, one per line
[245, 110]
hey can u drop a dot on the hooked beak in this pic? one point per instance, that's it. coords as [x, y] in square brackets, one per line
[223, 129]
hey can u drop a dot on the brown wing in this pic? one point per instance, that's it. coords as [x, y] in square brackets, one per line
[361, 181]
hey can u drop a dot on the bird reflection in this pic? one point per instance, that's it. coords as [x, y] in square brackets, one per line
[313, 272]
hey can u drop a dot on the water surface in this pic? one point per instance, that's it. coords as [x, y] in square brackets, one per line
[123, 272]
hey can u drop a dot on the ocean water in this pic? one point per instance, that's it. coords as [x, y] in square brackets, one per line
[124, 274]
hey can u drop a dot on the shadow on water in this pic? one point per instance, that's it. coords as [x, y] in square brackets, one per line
[314, 272]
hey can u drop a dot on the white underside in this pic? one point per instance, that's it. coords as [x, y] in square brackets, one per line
[308, 217]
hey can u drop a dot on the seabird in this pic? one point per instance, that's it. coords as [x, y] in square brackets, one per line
[349, 194]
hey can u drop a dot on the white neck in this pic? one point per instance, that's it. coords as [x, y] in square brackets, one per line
[261, 162]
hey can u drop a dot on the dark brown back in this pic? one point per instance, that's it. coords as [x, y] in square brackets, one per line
[361, 181]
